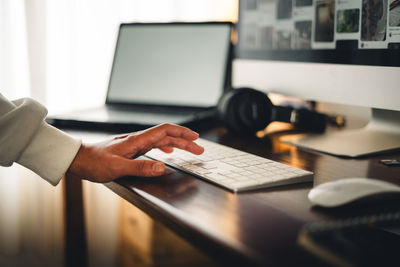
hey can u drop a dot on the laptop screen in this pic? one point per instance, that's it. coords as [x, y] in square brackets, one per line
[178, 64]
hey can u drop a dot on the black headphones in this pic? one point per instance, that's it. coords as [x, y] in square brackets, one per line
[246, 111]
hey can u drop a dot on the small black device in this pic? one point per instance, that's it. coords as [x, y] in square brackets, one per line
[371, 240]
[246, 111]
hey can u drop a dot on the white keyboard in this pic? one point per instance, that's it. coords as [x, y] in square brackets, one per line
[231, 168]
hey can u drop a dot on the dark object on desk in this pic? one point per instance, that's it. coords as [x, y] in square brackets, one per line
[336, 120]
[200, 121]
[246, 111]
[362, 241]
[390, 162]
[158, 75]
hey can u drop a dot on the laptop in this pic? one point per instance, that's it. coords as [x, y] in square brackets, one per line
[161, 73]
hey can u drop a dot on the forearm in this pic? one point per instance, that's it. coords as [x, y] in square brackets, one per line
[49, 153]
[26, 139]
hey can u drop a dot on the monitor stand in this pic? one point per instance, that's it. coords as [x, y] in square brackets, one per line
[382, 134]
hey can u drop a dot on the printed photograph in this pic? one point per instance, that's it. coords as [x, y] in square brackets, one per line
[324, 21]
[266, 37]
[251, 4]
[283, 40]
[394, 13]
[302, 35]
[300, 3]
[250, 36]
[374, 19]
[284, 9]
[348, 21]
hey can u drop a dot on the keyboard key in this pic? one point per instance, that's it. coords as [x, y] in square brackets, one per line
[215, 176]
[244, 184]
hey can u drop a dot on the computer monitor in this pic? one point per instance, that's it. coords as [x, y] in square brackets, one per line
[343, 51]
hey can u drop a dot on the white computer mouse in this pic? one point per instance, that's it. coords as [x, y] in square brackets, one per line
[340, 192]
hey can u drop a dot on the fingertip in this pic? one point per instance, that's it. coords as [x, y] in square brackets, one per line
[158, 168]
[196, 134]
[167, 149]
[202, 150]
[191, 135]
[196, 149]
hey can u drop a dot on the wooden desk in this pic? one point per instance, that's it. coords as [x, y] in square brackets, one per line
[259, 227]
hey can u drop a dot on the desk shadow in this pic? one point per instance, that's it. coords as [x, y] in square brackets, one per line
[172, 185]
[359, 234]
[378, 204]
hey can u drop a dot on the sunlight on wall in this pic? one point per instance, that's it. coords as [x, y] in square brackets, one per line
[14, 72]
[222, 10]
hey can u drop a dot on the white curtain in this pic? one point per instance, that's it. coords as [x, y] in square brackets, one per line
[14, 69]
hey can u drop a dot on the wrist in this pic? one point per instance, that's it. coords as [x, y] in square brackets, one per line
[77, 163]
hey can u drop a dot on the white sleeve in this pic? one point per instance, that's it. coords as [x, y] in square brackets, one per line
[27, 139]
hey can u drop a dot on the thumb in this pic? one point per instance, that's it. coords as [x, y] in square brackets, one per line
[146, 168]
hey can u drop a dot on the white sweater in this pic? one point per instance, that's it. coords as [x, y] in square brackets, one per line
[27, 139]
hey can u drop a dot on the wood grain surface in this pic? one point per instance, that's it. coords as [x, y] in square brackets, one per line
[258, 227]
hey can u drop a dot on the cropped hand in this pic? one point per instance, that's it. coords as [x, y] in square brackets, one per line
[108, 160]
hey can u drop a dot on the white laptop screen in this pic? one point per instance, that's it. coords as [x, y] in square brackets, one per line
[180, 64]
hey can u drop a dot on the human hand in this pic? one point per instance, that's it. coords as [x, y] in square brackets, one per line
[108, 160]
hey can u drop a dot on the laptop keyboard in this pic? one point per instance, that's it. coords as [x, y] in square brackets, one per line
[232, 169]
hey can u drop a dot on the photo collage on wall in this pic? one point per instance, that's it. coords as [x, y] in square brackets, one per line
[319, 24]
